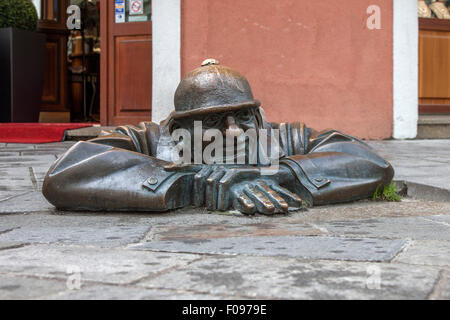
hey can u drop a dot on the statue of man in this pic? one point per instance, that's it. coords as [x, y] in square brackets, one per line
[134, 168]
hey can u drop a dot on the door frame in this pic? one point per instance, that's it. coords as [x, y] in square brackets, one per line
[104, 71]
[109, 30]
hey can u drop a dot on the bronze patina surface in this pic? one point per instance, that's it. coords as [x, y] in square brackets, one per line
[131, 169]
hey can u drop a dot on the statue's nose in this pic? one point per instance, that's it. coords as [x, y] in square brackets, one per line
[232, 128]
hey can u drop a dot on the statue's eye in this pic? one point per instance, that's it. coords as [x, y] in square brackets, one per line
[244, 115]
[212, 121]
[174, 126]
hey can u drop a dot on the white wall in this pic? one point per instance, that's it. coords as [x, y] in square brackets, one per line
[166, 35]
[37, 4]
[406, 61]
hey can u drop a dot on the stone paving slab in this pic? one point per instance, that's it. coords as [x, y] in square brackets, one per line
[110, 292]
[285, 278]
[104, 231]
[355, 249]
[5, 195]
[362, 210]
[403, 173]
[66, 144]
[416, 228]
[108, 266]
[230, 229]
[431, 158]
[9, 154]
[15, 180]
[442, 288]
[19, 146]
[193, 221]
[426, 252]
[44, 159]
[20, 288]
[32, 201]
[27, 146]
[11, 245]
[441, 219]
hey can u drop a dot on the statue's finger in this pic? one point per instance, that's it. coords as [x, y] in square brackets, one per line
[262, 202]
[280, 204]
[291, 198]
[223, 192]
[211, 188]
[198, 187]
[228, 180]
[244, 204]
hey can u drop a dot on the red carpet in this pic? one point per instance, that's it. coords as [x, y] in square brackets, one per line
[36, 132]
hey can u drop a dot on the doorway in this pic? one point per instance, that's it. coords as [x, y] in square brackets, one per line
[103, 72]
[434, 57]
[126, 61]
[71, 90]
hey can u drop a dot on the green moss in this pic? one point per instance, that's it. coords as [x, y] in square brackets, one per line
[387, 193]
[19, 14]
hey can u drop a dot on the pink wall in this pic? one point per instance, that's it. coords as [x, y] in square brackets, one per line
[310, 61]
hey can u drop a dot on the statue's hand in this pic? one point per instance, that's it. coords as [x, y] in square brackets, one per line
[241, 188]
[265, 197]
[212, 183]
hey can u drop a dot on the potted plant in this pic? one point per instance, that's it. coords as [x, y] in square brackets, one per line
[22, 59]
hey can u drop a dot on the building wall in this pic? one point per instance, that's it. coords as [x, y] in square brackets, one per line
[311, 61]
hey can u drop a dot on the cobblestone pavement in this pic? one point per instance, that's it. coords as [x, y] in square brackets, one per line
[360, 250]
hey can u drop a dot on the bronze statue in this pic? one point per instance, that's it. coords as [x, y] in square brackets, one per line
[133, 168]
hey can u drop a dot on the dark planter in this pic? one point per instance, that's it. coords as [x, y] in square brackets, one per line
[22, 59]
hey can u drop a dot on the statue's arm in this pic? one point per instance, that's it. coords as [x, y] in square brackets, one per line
[337, 168]
[92, 176]
[116, 140]
[142, 139]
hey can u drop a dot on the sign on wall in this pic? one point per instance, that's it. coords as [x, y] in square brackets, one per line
[120, 11]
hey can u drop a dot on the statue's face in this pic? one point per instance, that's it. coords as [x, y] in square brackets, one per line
[244, 119]
[231, 124]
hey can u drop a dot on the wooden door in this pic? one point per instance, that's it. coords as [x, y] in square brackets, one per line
[52, 22]
[126, 66]
[434, 66]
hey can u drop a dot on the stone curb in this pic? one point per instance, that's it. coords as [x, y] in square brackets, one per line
[423, 191]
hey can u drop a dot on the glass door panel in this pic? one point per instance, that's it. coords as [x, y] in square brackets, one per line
[132, 11]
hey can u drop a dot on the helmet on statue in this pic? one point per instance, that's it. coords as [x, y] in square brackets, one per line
[212, 88]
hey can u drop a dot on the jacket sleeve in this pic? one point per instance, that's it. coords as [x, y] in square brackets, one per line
[142, 139]
[337, 168]
[92, 176]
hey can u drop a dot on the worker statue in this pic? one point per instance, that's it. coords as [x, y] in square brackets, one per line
[216, 150]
